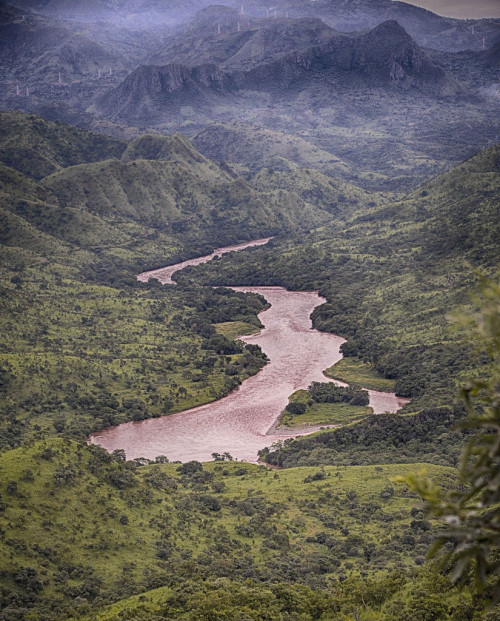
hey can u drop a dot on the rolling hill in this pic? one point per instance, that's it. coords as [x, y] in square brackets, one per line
[38, 148]
[205, 537]
[157, 190]
[256, 147]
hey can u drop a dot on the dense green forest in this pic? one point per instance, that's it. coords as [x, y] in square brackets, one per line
[327, 532]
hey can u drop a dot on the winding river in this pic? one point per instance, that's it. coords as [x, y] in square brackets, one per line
[244, 421]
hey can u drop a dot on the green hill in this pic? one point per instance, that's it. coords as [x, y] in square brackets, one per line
[176, 196]
[160, 202]
[99, 529]
[195, 207]
[252, 145]
[38, 148]
[336, 196]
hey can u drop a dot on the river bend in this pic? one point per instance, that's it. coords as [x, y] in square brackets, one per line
[240, 423]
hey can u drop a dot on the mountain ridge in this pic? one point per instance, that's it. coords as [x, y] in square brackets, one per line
[383, 58]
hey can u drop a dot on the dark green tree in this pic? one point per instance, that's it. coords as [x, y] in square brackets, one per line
[472, 512]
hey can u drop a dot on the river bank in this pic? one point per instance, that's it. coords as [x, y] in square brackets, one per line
[244, 422]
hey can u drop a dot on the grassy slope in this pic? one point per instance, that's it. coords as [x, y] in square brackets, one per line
[176, 197]
[39, 148]
[337, 196]
[325, 414]
[90, 526]
[77, 357]
[234, 142]
[354, 371]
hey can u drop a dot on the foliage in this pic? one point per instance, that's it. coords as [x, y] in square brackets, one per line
[323, 392]
[77, 357]
[428, 436]
[325, 404]
[109, 529]
[472, 514]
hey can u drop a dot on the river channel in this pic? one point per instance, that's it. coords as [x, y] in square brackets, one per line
[244, 422]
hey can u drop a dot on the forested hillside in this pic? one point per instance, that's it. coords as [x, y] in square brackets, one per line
[392, 276]
[356, 143]
[131, 205]
[100, 529]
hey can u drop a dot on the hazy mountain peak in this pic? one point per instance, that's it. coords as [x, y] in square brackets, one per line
[213, 14]
[391, 28]
[150, 89]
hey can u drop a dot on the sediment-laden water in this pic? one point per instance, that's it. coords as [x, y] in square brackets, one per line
[241, 422]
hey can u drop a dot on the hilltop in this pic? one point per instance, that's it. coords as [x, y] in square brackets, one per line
[38, 148]
[98, 193]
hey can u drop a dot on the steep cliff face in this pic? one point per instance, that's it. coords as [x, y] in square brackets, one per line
[384, 57]
[151, 91]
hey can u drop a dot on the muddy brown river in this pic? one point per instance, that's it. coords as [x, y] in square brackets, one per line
[240, 423]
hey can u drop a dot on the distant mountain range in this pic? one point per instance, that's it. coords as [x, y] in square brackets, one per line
[52, 60]
[287, 74]
[385, 57]
[426, 27]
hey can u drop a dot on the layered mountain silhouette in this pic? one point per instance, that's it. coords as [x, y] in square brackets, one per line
[140, 11]
[427, 28]
[233, 41]
[37, 47]
[385, 57]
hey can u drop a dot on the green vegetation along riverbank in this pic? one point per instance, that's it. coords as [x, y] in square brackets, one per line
[356, 372]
